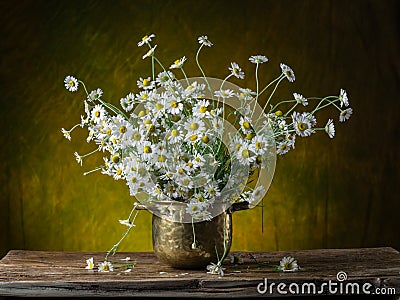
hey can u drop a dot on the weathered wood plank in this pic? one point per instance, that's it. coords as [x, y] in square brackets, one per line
[63, 274]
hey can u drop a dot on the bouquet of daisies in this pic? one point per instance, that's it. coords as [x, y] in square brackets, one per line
[188, 148]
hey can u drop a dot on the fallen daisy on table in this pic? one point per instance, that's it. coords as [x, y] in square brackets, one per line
[90, 264]
[288, 264]
[106, 266]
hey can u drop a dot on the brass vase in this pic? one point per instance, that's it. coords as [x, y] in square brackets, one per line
[173, 242]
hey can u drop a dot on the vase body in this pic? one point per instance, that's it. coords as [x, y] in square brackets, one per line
[173, 241]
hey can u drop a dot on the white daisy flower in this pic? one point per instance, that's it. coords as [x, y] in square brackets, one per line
[146, 150]
[78, 158]
[89, 264]
[71, 83]
[178, 63]
[127, 223]
[300, 99]
[224, 93]
[330, 128]
[150, 52]
[195, 208]
[288, 72]
[194, 90]
[194, 125]
[215, 269]
[66, 134]
[212, 190]
[145, 83]
[201, 108]
[95, 94]
[127, 102]
[345, 114]
[288, 264]
[105, 266]
[259, 144]
[175, 135]
[302, 123]
[258, 59]
[161, 158]
[165, 77]
[146, 39]
[236, 70]
[203, 40]
[245, 155]
[246, 94]
[343, 98]
[98, 114]
[257, 195]
[173, 106]
[282, 147]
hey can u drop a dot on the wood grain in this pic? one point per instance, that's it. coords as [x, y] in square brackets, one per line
[63, 274]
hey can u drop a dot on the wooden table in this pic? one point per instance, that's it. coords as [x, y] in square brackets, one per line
[63, 274]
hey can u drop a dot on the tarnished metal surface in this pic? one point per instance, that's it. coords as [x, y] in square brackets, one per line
[172, 241]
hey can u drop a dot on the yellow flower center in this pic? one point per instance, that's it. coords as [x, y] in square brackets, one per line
[259, 145]
[173, 104]
[137, 136]
[97, 113]
[151, 128]
[146, 149]
[106, 268]
[194, 126]
[119, 172]
[193, 137]
[237, 146]
[259, 159]
[278, 113]
[144, 96]
[175, 118]
[122, 129]
[159, 106]
[115, 159]
[181, 171]
[245, 153]
[301, 126]
[145, 38]
[189, 164]
[203, 109]
[161, 158]
[177, 61]
[147, 122]
[185, 182]
[174, 133]
[133, 179]
[249, 136]
[71, 83]
[108, 131]
[205, 139]
[146, 82]
[246, 125]
[142, 113]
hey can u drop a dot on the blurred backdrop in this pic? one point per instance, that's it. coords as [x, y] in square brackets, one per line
[325, 194]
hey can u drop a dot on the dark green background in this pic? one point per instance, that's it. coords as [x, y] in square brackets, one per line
[325, 194]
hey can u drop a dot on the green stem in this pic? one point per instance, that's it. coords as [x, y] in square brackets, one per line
[202, 72]
[267, 86]
[256, 101]
[114, 249]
